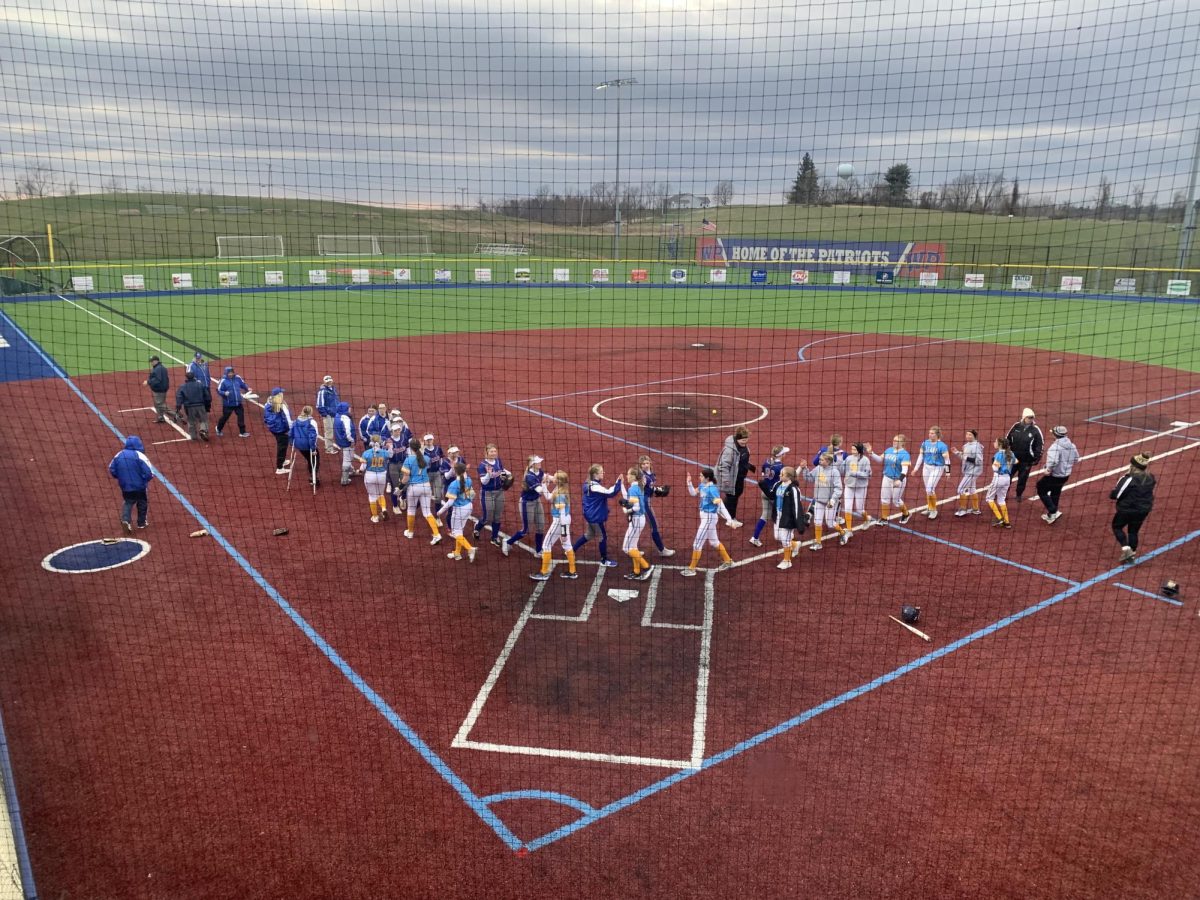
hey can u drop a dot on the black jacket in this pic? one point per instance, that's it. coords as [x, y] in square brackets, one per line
[159, 381]
[792, 515]
[1134, 493]
[1026, 442]
[192, 393]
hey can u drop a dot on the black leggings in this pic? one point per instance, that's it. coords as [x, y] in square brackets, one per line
[281, 445]
[1131, 522]
[233, 411]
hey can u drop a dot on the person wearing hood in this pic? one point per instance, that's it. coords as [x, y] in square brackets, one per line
[159, 383]
[305, 441]
[278, 420]
[199, 368]
[731, 468]
[327, 404]
[132, 470]
[194, 397]
[343, 437]
[1060, 461]
[230, 389]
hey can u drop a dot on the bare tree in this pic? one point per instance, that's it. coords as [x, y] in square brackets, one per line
[1137, 198]
[35, 182]
[1104, 195]
[979, 192]
[723, 193]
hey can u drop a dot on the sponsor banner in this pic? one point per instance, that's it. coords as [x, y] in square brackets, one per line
[182, 280]
[799, 276]
[562, 275]
[841, 276]
[928, 279]
[718, 276]
[973, 280]
[1125, 286]
[133, 282]
[1179, 288]
[442, 275]
[639, 275]
[274, 277]
[522, 275]
[318, 276]
[884, 276]
[678, 276]
[228, 279]
[483, 274]
[600, 275]
[401, 275]
[758, 276]
[360, 276]
[1071, 283]
[83, 284]
[1022, 282]
[902, 257]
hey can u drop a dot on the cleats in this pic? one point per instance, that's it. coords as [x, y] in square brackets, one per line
[725, 566]
[437, 539]
[645, 576]
[688, 573]
[844, 538]
[756, 542]
[126, 527]
[375, 519]
[607, 562]
[786, 564]
[1054, 517]
[933, 513]
[538, 576]
[962, 512]
[471, 554]
[504, 546]
[814, 546]
[409, 535]
[1127, 554]
[570, 576]
[735, 524]
[667, 551]
[904, 518]
[453, 556]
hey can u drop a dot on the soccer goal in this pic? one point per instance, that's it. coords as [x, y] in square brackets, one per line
[395, 245]
[243, 246]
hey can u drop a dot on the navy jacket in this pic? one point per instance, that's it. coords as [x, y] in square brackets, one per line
[159, 380]
[192, 393]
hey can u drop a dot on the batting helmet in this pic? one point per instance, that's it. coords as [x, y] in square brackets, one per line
[910, 614]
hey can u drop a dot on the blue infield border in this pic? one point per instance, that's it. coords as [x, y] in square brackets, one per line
[589, 814]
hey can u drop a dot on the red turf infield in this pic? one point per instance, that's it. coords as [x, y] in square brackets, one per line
[173, 734]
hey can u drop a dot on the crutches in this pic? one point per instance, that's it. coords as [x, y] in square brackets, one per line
[291, 467]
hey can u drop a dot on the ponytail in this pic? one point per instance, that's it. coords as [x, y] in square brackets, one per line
[415, 446]
[460, 469]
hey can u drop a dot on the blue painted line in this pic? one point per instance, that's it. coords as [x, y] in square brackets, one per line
[552, 796]
[843, 698]
[992, 557]
[14, 816]
[596, 431]
[439, 765]
[1147, 594]
[1117, 412]
[433, 285]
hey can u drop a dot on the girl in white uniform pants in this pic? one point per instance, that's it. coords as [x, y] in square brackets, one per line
[827, 491]
[856, 476]
[557, 491]
[414, 475]
[460, 497]
[933, 462]
[971, 455]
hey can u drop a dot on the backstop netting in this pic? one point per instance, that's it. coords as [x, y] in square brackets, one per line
[625, 449]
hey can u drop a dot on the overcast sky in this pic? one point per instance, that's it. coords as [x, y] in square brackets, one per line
[343, 101]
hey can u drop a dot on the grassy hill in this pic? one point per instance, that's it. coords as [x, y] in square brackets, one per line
[133, 226]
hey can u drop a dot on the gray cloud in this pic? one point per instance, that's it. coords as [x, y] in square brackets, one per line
[345, 101]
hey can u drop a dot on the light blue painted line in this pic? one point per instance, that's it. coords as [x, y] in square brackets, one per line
[843, 698]
[14, 816]
[972, 550]
[439, 765]
[537, 412]
[552, 796]
[1128, 587]
[1116, 412]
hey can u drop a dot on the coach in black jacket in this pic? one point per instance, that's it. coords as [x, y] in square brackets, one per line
[196, 399]
[159, 382]
[1025, 441]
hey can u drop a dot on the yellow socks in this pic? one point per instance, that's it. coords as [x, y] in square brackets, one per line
[995, 509]
[433, 525]
[817, 531]
[639, 561]
[461, 545]
[725, 557]
[787, 553]
[884, 509]
[975, 502]
[695, 559]
[1004, 512]
[545, 562]
[931, 501]
[570, 561]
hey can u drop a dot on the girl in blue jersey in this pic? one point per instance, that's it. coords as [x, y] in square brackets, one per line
[414, 474]
[374, 472]
[711, 508]
[460, 496]
[895, 461]
[557, 491]
[653, 490]
[997, 491]
[635, 496]
[768, 478]
[933, 462]
[533, 513]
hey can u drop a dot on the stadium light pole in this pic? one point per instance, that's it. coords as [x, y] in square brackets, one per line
[1187, 231]
[617, 83]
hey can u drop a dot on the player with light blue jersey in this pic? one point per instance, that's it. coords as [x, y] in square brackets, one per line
[414, 475]
[1002, 466]
[933, 462]
[374, 472]
[896, 462]
[635, 504]
[711, 508]
[557, 491]
[460, 497]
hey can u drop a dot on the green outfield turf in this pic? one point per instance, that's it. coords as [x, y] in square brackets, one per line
[85, 337]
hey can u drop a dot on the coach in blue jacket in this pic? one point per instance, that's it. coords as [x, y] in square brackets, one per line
[133, 473]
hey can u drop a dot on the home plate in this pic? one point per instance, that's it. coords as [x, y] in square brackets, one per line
[1180, 424]
[621, 595]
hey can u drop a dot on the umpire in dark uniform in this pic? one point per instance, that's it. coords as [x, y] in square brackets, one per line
[196, 400]
[159, 382]
[1025, 441]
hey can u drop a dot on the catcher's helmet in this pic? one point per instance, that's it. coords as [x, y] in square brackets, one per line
[910, 614]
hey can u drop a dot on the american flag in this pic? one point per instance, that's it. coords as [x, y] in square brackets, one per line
[708, 226]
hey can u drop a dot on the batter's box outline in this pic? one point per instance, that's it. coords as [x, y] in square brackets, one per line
[462, 740]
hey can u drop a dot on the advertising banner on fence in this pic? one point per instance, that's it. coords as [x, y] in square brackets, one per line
[133, 282]
[884, 276]
[841, 277]
[522, 275]
[318, 276]
[401, 274]
[83, 284]
[360, 276]
[183, 280]
[600, 275]
[973, 280]
[228, 279]
[717, 276]
[799, 276]
[1022, 282]
[1178, 288]
[758, 276]
[678, 276]
[1071, 283]
[1125, 286]
[639, 275]
[904, 258]
[273, 277]
[561, 275]
[443, 276]
[483, 275]
[929, 279]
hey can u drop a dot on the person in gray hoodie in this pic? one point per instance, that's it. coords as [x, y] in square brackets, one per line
[1060, 461]
[732, 466]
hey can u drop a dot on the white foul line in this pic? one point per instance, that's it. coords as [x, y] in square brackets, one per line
[700, 721]
[588, 603]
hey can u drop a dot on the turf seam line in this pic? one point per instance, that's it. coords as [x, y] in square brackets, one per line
[158, 331]
[405, 730]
